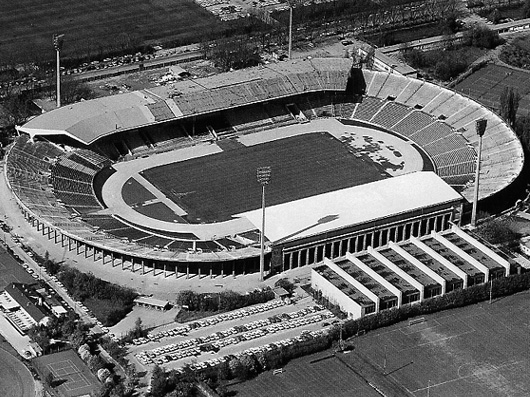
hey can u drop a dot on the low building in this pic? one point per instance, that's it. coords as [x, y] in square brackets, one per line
[23, 306]
[408, 272]
[152, 303]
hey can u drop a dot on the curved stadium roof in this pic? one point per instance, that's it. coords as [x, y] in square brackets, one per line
[88, 121]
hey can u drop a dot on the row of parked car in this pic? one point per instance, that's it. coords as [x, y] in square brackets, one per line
[218, 340]
[185, 330]
[304, 335]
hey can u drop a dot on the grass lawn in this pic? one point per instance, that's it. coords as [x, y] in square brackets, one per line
[310, 376]
[213, 188]
[27, 26]
[102, 308]
[474, 351]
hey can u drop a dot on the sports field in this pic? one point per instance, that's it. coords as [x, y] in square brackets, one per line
[72, 375]
[212, 188]
[476, 351]
[26, 26]
[311, 376]
[15, 378]
[487, 84]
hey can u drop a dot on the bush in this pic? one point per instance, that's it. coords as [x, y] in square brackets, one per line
[481, 36]
[285, 284]
[223, 301]
[497, 232]
[449, 66]
[414, 57]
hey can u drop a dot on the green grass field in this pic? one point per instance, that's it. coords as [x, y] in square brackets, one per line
[479, 350]
[303, 377]
[475, 351]
[212, 188]
[26, 26]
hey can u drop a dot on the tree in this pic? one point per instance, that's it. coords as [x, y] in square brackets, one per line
[481, 36]
[522, 129]
[159, 382]
[285, 284]
[495, 16]
[73, 90]
[509, 104]
[497, 232]
[526, 9]
[49, 379]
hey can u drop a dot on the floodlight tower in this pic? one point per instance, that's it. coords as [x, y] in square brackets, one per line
[480, 128]
[263, 175]
[57, 40]
[290, 28]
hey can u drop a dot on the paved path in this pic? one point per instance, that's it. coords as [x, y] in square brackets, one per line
[162, 288]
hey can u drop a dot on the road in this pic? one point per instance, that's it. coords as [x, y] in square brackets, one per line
[154, 63]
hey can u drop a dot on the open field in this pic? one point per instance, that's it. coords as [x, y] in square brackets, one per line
[487, 84]
[225, 183]
[27, 26]
[69, 370]
[479, 350]
[310, 376]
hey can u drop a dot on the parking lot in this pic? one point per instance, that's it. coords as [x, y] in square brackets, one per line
[210, 339]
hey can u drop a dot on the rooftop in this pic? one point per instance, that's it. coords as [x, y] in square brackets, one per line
[472, 251]
[386, 273]
[408, 267]
[353, 206]
[19, 292]
[343, 285]
[430, 262]
[452, 257]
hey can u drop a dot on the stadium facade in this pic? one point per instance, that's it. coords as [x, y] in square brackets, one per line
[61, 165]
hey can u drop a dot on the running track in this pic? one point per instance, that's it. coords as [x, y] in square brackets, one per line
[15, 378]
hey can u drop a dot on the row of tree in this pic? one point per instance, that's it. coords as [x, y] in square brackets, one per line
[82, 286]
[222, 301]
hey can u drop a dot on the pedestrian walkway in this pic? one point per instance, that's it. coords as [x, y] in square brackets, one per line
[160, 287]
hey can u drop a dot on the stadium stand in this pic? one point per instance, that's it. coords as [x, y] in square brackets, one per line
[56, 185]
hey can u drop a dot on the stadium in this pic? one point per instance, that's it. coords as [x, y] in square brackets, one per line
[163, 180]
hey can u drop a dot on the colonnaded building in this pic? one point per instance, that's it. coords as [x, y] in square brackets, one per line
[365, 165]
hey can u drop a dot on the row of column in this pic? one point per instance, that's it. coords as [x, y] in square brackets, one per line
[142, 265]
[374, 239]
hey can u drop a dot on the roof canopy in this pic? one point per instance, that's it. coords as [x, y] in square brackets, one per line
[353, 206]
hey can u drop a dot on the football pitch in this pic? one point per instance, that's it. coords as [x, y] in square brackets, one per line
[213, 188]
[311, 376]
[476, 351]
[479, 350]
[27, 26]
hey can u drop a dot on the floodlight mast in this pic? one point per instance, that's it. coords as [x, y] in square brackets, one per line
[57, 40]
[290, 29]
[263, 175]
[480, 128]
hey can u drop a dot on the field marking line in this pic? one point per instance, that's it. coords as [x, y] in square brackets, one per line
[468, 376]
[76, 381]
[437, 340]
[408, 327]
